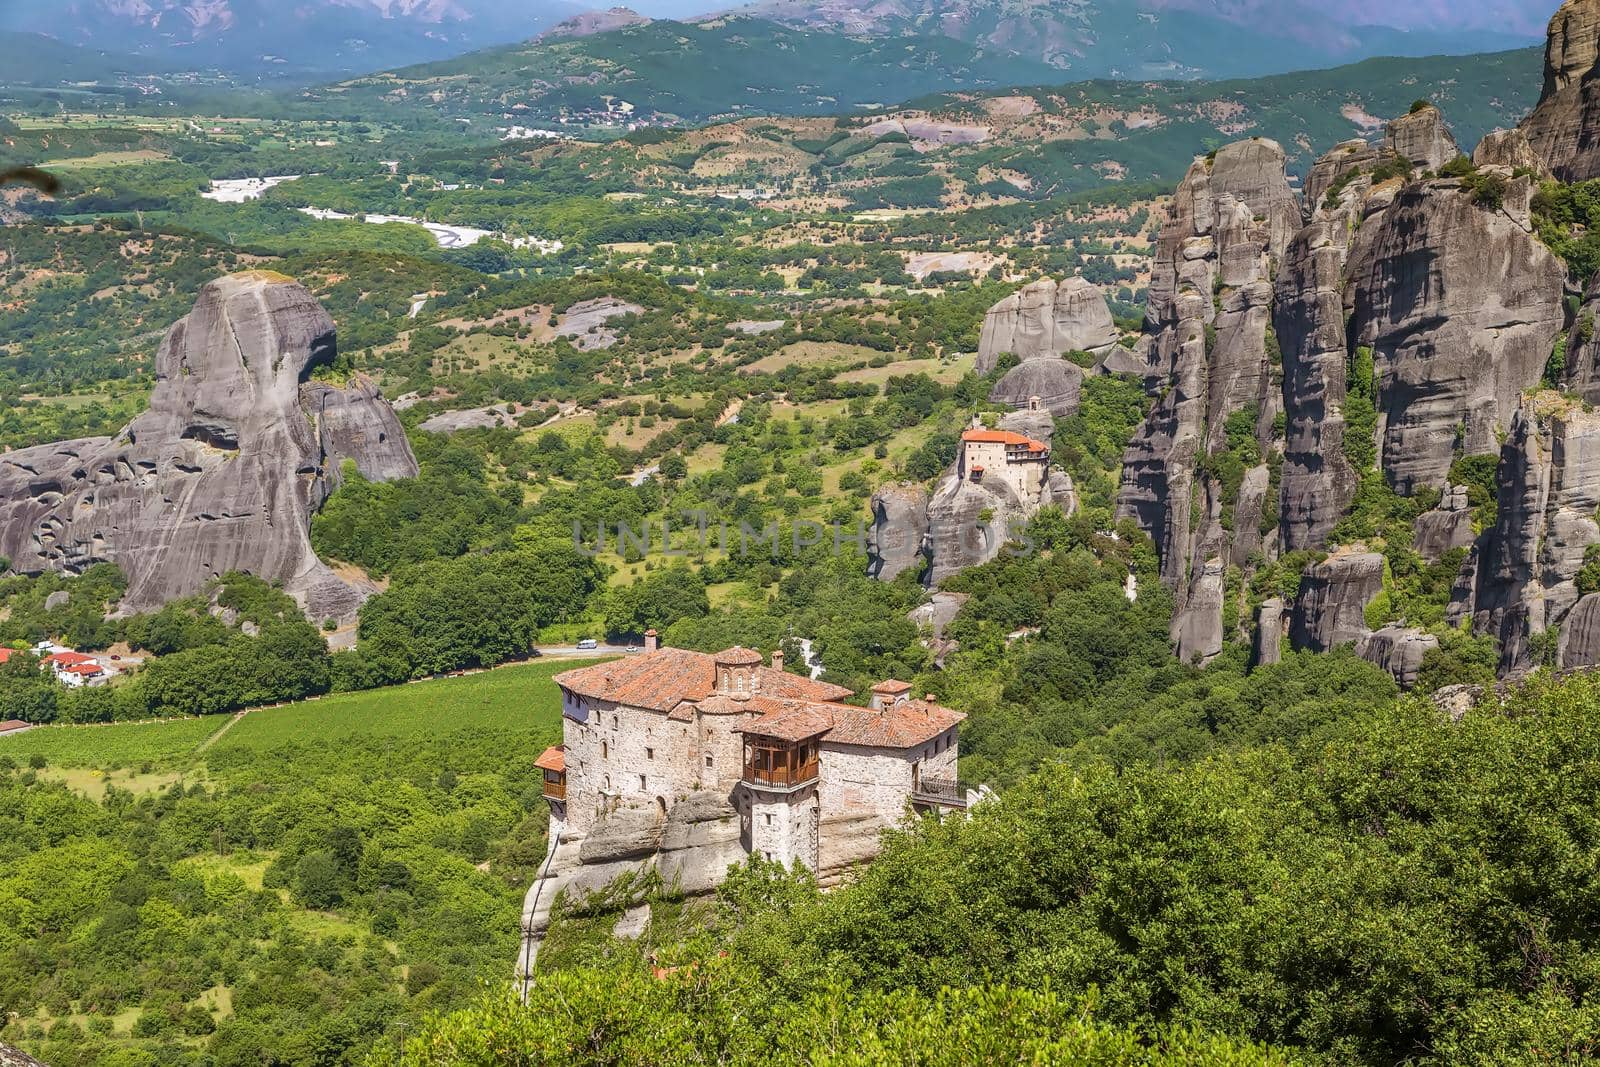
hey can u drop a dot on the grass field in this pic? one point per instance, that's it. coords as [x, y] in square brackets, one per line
[518, 698]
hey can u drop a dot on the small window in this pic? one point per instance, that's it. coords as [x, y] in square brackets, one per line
[649, 753]
[641, 782]
[769, 818]
[708, 759]
[604, 750]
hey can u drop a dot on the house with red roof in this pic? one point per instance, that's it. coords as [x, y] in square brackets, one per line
[76, 668]
[810, 777]
[1018, 461]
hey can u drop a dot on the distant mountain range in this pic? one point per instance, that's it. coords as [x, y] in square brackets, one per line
[313, 36]
[971, 41]
[1181, 38]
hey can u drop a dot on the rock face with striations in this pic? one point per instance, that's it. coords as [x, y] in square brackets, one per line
[224, 470]
[1460, 305]
[1331, 608]
[1422, 138]
[1549, 493]
[899, 530]
[1057, 385]
[1047, 319]
[1206, 354]
[1564, 130]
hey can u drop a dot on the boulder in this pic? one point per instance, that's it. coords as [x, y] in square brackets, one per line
[1056, 385]
[1564, 130]
[225, 468]
[1461, 307]
[899, 530]
[59, 599]
[1398, 650]
[13, 1057]
[1580, 635]
[1047, 318]
[1457, 701]
[1445, 528]
[1423, 138]
[1331, 608]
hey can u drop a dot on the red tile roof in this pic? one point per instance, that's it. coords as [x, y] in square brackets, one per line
[905, 725]
[12, 725]
[6, 654]
[1004, 437]
[553, 758]
[69, 659]
[892, 686]
[85, 670]
[665, 678]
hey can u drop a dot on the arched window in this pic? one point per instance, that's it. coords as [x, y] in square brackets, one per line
[605, 750]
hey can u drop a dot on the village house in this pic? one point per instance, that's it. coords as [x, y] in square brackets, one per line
[793, 760]
[1010, 458]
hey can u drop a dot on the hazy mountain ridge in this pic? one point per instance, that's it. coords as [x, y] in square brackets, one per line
[1175, 38]
[253, 35]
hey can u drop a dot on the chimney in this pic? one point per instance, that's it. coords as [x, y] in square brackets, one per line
[649, 640]
[777, 659]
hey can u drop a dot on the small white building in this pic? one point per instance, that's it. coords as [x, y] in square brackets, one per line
[809, 775]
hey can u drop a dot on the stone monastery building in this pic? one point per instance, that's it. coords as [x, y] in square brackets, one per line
[1018, 461]
[811, 778]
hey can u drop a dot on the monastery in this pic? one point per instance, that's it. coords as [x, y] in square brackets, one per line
[790, 758]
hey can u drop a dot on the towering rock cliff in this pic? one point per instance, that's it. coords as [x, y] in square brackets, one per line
[1412, 316]
[224, 470]
[1047, 319]
[1564, 130]
[1526, 567]
[1207, 354]
[1460, 305]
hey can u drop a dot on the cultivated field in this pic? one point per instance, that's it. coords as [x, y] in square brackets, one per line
[518, 699]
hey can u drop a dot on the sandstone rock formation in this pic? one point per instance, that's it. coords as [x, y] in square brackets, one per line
[690, 849]
[1421, 137]
[1549, 492]
[1445, 528]
[1206, 352]
[1461, 306]
[1564, 130]
[1580, 635]
[1508, 148]
[1398, 650]
[1331, 608]
[899, 531]
[223, 471]
[1057, 384]
[1047, 318]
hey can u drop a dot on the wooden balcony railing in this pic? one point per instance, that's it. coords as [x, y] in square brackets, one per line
[555, 788]
[939, 792]
[782, 776]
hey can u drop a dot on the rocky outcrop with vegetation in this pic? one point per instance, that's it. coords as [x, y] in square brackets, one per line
[224, 470]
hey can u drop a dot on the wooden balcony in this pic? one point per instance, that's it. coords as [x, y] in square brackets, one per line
[772, 764]
[555, 786]
[939, 793]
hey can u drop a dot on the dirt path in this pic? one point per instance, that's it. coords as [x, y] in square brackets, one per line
[214, 738]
